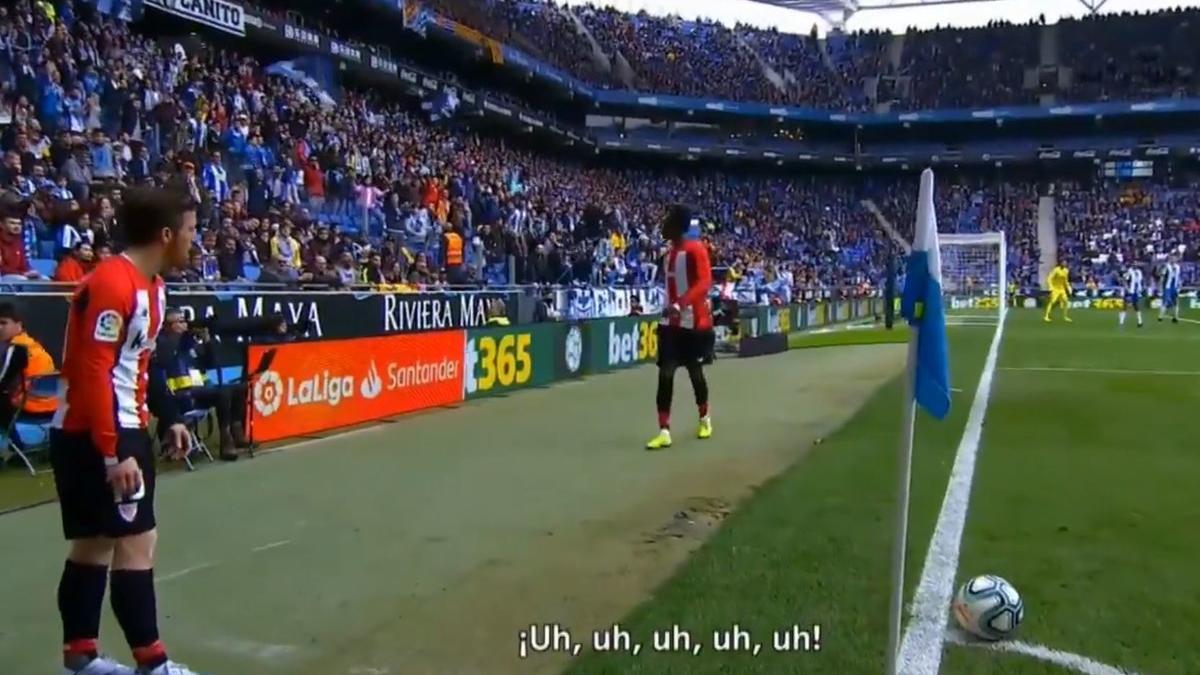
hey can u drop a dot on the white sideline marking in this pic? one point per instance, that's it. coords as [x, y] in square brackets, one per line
[182, 573]
[268, 547]
[1188, 320]
[921, 647]
[259, 651]
[1103, 371]
[1075, 662]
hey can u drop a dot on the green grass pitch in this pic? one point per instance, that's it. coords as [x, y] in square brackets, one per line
[1084, 497]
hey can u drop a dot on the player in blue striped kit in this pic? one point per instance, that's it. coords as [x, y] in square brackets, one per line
[1170, 280]
[1131, 282]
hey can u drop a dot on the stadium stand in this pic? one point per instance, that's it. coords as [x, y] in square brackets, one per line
[941, 68]
[1132, 56]
[295, 192]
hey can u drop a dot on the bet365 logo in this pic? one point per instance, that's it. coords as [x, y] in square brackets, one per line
[638, 343]
[497, 362]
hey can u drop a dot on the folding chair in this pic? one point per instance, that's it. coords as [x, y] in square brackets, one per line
[7, 447]
[33, 430]
[192, 420]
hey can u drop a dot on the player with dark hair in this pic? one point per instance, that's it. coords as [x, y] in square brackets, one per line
[685, 335]
[100, 448]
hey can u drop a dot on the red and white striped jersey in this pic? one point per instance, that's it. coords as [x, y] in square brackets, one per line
[112, 326]
[688, 275]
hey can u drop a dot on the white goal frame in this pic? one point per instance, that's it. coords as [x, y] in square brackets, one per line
[997, 239]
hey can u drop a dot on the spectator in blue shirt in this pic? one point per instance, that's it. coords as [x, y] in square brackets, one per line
[73, 110]
[215, 179]
[50, 106]
[237, 138]
[258, 156]
[103, 163]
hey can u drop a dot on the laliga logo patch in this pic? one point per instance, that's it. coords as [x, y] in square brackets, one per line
[268, 393]
[108, 326]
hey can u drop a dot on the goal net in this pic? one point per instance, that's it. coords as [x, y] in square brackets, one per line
[974, 278]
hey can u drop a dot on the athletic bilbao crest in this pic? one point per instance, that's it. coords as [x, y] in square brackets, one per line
[128, 511]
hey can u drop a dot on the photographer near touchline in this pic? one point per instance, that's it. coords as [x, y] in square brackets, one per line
[183, 356]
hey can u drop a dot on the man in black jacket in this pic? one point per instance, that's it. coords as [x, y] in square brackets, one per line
[229, 260]
[183, 356]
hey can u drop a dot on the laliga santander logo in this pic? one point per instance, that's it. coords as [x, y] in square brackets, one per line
[270, 392]
[371, 385]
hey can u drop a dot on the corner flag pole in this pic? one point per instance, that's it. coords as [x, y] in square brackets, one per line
[908, 420]
[927, 378]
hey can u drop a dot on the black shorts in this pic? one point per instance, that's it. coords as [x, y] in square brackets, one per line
[685, 346]
[89, 508]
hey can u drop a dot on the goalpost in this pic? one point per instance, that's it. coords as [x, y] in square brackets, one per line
[974, 278]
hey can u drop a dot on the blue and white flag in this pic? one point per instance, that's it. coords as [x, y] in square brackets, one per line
[316, 73]
[922, 306]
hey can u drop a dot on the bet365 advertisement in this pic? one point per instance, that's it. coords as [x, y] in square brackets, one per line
[502, 359]
[326, 384]
[624, 342]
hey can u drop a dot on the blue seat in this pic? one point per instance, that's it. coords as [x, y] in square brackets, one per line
[33, 431]
[252, 272]
[44, 266]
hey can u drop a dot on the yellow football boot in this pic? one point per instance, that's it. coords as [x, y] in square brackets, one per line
[661, 441]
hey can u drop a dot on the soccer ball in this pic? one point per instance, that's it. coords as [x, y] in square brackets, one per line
[988, 607]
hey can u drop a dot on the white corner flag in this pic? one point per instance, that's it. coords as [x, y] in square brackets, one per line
[927, 380]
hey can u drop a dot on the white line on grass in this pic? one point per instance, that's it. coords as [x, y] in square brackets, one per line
[276, 654]
[921, 648]
[1075, 662]
[1188, 320]
[268, 547]
[183, 572]
[1102, 371]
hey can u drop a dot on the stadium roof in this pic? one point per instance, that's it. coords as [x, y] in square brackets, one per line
[846, 8]
[839, 11]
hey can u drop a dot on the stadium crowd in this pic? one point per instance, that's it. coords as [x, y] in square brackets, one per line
[1111, 56]
[371, 193]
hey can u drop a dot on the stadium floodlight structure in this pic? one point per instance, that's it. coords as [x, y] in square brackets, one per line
[974, 278]
[838, 12]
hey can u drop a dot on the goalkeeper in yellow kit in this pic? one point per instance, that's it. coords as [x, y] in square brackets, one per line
[1059, 282]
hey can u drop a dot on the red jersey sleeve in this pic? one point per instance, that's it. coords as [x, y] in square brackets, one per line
[101, 312]
[699, 290]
